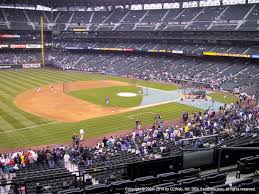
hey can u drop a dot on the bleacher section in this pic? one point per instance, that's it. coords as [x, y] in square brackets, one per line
[227, 74]
[232, 17]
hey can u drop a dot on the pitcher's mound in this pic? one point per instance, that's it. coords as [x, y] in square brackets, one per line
[127, 94]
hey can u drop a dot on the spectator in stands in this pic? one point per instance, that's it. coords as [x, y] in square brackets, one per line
[82, 134]
[66, 159]
[153, 142]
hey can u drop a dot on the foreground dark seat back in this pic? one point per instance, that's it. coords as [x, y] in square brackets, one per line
[146, 181]
[195, 192]
[141, 192]
[254, 184]
[72, 191]
[245, 158]
[223, 186]
[239, 182]
[168, 177]
[119, 186]
[214, 180]
[97, 189]
[246, 166]
[257, 161]
[191, 172]
[193, 183]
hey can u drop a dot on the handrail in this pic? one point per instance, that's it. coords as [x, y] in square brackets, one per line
[192, 138]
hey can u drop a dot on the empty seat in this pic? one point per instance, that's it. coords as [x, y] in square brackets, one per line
[191, 172]
[223, 186]
[193, 183]
[186, 179]
[245, 158]
[246, 166]
[254, 184]
[194, 192]
[119, 186]
[168, 177]
[146, 181]
[243, 181]
[215, 180]
[71, 191]
[97, 189]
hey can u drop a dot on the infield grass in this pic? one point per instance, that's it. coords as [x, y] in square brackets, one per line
[98, 96]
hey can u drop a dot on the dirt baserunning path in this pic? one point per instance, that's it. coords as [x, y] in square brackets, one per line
[52, 103]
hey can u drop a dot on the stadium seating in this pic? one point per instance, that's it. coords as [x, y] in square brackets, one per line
[231, 17]
[209, 181]
[228, 74]
[247, 165]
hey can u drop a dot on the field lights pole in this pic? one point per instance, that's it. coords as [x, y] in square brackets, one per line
[42, 41]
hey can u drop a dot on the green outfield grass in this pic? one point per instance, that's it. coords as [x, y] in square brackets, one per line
[19, 129]
[219, 97]
[98, 95]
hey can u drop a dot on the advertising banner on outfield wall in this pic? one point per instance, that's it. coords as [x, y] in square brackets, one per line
[127, 49]
[176, 52]
[162, 51]
[209, 53]
[152, 51]
[114, 49]
[5, 66]
[33, 46]
[31, 65]
[79, 29]
[225, 54]
[4, 46]
[9, 36]
[17, 46]
[255, 56]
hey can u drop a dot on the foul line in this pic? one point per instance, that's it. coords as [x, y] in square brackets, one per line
[154, 104]
[132, 116]
[34, 126]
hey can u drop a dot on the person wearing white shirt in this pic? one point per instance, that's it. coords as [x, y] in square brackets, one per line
[82, 134]
[66, 159]
[35, 156]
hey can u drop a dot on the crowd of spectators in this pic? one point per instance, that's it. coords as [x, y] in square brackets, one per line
[153, 142]
[227, 74]
[216, 73]
[26, 57]
[197, 18]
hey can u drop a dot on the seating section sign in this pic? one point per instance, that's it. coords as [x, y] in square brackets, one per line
[226, 54]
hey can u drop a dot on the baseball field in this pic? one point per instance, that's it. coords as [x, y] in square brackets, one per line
[43, 106]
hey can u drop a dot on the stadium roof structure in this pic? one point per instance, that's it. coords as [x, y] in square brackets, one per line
[62, 3]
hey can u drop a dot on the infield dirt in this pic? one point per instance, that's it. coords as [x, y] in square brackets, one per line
[52, 103]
